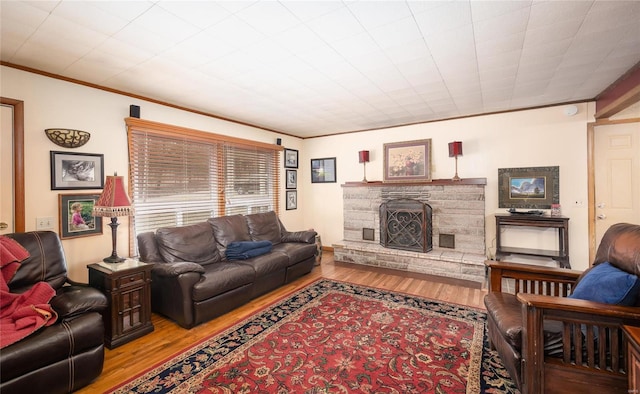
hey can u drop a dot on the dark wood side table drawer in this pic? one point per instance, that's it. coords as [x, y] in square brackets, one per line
[135, 279]
[127, 286]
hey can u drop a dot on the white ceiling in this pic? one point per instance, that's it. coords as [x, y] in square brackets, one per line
[310, 68]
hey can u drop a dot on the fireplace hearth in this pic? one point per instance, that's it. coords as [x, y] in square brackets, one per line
[405, 224]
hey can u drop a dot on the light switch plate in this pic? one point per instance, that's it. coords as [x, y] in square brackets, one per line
[44, 223]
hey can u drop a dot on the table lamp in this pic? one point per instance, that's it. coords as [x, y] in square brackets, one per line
[363, 157]
[455, 150]
[113, 202]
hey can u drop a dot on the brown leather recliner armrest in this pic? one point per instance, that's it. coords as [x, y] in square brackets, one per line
[76, 300]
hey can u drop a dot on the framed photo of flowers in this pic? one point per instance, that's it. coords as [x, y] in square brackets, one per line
[408, 161]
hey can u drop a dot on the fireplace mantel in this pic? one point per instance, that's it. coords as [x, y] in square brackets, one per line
[434, 182]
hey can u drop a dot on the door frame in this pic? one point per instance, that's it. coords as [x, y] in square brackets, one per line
[18, 163]
[591, 178]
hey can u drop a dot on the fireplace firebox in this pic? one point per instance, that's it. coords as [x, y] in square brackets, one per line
[406, 224]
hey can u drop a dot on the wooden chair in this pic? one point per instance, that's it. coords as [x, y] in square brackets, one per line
[553, 344]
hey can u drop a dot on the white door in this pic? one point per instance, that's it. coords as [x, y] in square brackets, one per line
[6, 169]
[617, 175]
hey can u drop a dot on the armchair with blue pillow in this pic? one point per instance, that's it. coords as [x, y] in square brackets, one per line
[559, 330]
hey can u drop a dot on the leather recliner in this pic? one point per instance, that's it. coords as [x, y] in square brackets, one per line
[69, 354]
[550, 343]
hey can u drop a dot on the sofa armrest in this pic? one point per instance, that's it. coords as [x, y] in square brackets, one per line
[532, 278]
[75, 300]
[308, 237]
[175, 269]
[171, 291]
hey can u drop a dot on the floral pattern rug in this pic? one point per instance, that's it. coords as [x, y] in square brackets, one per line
[336, 337]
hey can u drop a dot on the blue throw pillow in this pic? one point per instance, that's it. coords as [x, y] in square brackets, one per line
[608, 284]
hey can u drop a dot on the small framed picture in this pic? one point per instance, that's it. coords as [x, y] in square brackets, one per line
[76, 218]
[323, 170]
[70, 171]
[292, 199]
[292, 179]
[290, 158]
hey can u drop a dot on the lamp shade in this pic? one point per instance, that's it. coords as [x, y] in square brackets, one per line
[114, 200]
[455, 148]
[363, 156]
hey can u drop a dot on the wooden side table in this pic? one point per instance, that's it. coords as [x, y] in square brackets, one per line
[632, 335]
[561, 223]
[127, 286]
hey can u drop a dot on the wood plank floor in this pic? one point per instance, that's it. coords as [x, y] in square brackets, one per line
[126, 361]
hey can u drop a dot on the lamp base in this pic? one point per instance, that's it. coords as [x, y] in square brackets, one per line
[456, 177]
[113, 260]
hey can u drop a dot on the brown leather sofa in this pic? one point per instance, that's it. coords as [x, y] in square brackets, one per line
[69, 354]
[550, 343]
[192, 280]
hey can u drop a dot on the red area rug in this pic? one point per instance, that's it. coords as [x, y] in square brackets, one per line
[335, 337]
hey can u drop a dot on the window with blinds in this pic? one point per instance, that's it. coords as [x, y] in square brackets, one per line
[182, 176]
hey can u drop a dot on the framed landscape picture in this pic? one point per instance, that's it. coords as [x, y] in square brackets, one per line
[408, 161]
[76, 217]
[323, 170]
[528, 187]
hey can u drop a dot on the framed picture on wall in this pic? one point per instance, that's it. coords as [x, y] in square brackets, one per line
[292, 199]
[76, 217]
[528, 187]
[292, 179]
[408, 161]
[70, 170]
[323, 170]
[290, 158]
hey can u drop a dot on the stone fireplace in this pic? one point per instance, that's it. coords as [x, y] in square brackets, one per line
[454, 246]
[405, 224]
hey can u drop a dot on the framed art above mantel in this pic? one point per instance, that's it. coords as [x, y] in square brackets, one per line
[408, 161]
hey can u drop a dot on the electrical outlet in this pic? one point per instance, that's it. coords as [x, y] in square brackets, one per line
[44, 223]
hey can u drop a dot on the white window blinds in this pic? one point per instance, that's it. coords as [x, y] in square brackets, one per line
[182, 176]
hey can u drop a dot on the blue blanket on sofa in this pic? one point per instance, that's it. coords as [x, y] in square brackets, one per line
[247, 249]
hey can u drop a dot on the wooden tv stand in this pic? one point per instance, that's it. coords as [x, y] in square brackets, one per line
[560, 222]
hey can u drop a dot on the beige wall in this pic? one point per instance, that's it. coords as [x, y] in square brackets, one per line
[543, 137]
[51, 103]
